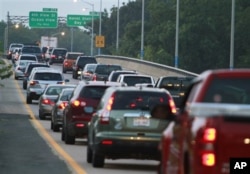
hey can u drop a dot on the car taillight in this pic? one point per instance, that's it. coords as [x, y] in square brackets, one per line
[47, 102]
[32, 83]
[206, 149]
[104, 117]
[19, 68]
[77, 103]
[107, 142]
[63, 105]
[66, 63]
[172, 106]
[94, 77]
[53, 56]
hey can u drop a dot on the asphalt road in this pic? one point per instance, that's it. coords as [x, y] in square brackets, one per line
[28, 145]
[22, 149]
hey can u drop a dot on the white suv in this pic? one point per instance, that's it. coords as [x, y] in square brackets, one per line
[39, 80]
[136, 79]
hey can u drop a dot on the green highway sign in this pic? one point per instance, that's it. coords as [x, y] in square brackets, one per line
[95, 14]
[78, 20]
[50, 9]
[43, 19]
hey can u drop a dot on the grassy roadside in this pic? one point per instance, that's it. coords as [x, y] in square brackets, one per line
[5, 70]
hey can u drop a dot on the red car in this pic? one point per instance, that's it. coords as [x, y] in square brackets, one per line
[213, 125]
[82, 104]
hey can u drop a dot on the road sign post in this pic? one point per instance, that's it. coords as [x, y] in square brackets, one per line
[43, 19]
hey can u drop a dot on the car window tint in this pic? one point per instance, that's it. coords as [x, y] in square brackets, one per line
[233, 90]
[85, 60]
[59, 52]
[93, 92]
[72, 56]
[28, 58]
[31, 50]
[138, 100]
[106, 69]
[175, 84]
[132, 80]
[48, 76]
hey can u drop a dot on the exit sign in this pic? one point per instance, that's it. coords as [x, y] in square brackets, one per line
[43, 19]
[78, 20]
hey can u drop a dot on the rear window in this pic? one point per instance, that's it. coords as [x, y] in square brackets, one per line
[34, 66]
[93, 92]
[132, 80]
[107, 69]
[232, 91]
[115, 75]
[28, 58]
[127, 100]
[175, 85]
[31, 50]
[85, 60]
[48, 76]
[59, 52]
[73, 56]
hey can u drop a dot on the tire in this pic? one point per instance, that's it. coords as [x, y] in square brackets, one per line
[24, 85]
[68, 139]
[28, 100]
[64, 71]
[51, 125]
[16, 78]
[89, 154]
[41, 116]
[97, 160]
[73, 75]
[55, 127]
[63, 134]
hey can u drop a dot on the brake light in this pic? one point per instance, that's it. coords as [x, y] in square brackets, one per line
[172, 106]
[80, 125]
[208, 159]
[104, 117]
[94, 77]
[62, 105]
[110, 103]
[53, 56]
[32, 83]
[77, 103]
[66, 63]
[47, 102]
[209, 135]
[107, 142]
[206, 141]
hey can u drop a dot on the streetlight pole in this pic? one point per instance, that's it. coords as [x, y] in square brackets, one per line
[142, 30]
[117, 31]
[177, 34]
[231, 66]
[100, 24]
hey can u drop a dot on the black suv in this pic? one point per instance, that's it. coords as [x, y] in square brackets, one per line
[34, 50]
[28, 70]
[80, 63]
[102, 71]
[57, 55]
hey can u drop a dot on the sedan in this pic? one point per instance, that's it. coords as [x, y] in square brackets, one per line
[20, 68]
[57, 110]
[48, 98]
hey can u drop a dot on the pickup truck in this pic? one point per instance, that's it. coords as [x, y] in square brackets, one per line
[212, 126]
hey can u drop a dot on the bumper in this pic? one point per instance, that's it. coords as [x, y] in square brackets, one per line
[129, 147]
[78, 129]
[45, 109]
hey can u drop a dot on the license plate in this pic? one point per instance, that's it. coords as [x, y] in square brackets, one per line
[141, 122]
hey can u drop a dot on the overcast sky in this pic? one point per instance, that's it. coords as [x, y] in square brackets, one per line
[64, 7]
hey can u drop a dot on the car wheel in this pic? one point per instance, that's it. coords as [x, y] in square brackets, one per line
[64, 71]
[16, 78]
[41, 116]
[24, 85]
[89, 154]
[73, 75]
[55, 127]
[68, 139]
[51, 125]
[97, 159]
[50, 62]
[63, 134]
[28, 100]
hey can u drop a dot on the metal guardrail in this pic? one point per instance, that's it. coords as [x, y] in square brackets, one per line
[146, 67]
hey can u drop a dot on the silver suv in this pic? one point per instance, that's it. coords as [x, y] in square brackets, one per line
[39, 80]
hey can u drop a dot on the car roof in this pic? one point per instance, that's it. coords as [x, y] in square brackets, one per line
[100, 83]
[141, 88]
[28, 55]
[68, 85]
[135, 75]
[50, 70]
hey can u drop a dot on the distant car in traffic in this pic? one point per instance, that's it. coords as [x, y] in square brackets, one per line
[28, 70]
[80, 108]
[47, 99]
[136, 79]
[124, 126]
[12, 48]
[69, 60]
[58, 108]
[102, 71]
[39, 80]
[33, 50]
[20, 68]
[176, 85]
[57, 55]
[115, 74]
[87, 71]
[80, 63]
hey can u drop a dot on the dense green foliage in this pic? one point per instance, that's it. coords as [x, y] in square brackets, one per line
[204, 33]
[5, 70]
